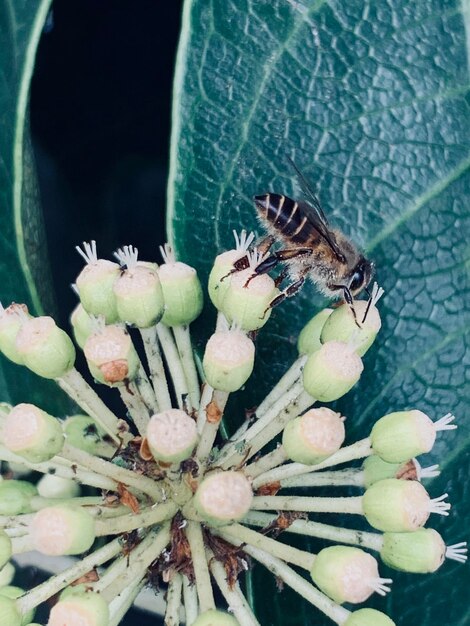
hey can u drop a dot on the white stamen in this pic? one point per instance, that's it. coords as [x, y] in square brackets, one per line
[457, 552]
[88, 254]
[426, 472]
[243, 241]
[127, 255]
[183, 524]
[377, 293]
[445, 423]
[437, 505]
[167, 253]
[75, 289]
[380, 585]
[255, 258]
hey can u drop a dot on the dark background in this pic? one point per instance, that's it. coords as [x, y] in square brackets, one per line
[100, 122]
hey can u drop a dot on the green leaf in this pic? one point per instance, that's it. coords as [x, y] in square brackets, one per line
[371, 100]
[24, 271]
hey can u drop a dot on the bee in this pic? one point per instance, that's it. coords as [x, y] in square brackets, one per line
[311, 248]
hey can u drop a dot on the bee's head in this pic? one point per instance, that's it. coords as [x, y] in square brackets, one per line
[361, 276]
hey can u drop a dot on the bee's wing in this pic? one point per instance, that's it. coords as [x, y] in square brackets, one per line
[308, 191]
[322, 228]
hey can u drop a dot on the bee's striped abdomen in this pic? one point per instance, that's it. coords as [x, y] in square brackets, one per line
[285, 216]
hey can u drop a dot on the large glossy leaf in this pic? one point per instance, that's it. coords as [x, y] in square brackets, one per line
[24, 275]
[371, 100]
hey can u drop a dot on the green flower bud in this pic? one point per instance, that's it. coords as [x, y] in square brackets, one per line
[95, 284]
[83, 325]
[309, 338]
[9, 614]
[32, 433]
[223, 497]
[393, 505]
[314, 436]
[212, 617]
[248, 305]
[7, 574]
[368, 617]
[11, 320]
[422, 551]
[16, 496]
[13, 592]
[341, 326]
[331, 371]
[63, 529]
[347, 574]
[111, 356]
[228, 360]
[139, 296]
[84, 433]
[46, 349]
[51, 486]
[5, 548]
[81, 609]
[172, 436]
[402, 435]
[376, 469]
[182, 291]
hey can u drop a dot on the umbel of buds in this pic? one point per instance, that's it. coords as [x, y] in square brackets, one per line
[153, 494]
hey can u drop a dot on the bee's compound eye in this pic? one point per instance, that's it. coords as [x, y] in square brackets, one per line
[357, 280]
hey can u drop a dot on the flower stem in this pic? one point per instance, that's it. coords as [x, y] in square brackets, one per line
[185, 349]
[233, 595]
[266, 462]
[206, 398]
[239, 534]
[201, 570]
[145, 390]
[332, 610]
[53, 585]
[119, 606]
[211, 425]
[157, 370]
[73, 383]
[351, 476]
[357, 450]
[173, 601]
[374, 541]
[126, 523]
[20, 545]
[190, 600]
[173, 362]
[135, 406]
[116, 473]
[282, 387]
[352, 504]
[37, 502]
[141, 557]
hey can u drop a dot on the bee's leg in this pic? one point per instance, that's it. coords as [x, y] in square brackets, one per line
[238, 266]
[290, 291]
[277, 257]
[349, 300]
[278, 280]
[265, 244]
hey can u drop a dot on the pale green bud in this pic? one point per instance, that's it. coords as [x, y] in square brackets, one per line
[51, 486]
[11, 320]
[16, 496]
[347, 574]
[172, 436]
[62, 529]
[84, 433]
[331, 371]
[223, 497]
[83, 325]
[228, 360]
[5, 548]
[182, 293]
[248, 305]
[32, 433]
[111, 355]
[95, 288]
[10, 591]
[213, 617]
[139, 296]
[9, 614]
[376, 469]
[422, 551]
[7, 574]
[309, 338]
[341, 326]
[80, 609]
[394, 505]
[314, 436]
[368, 617]
[220, 276]
[402, 435]
[46, 349]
